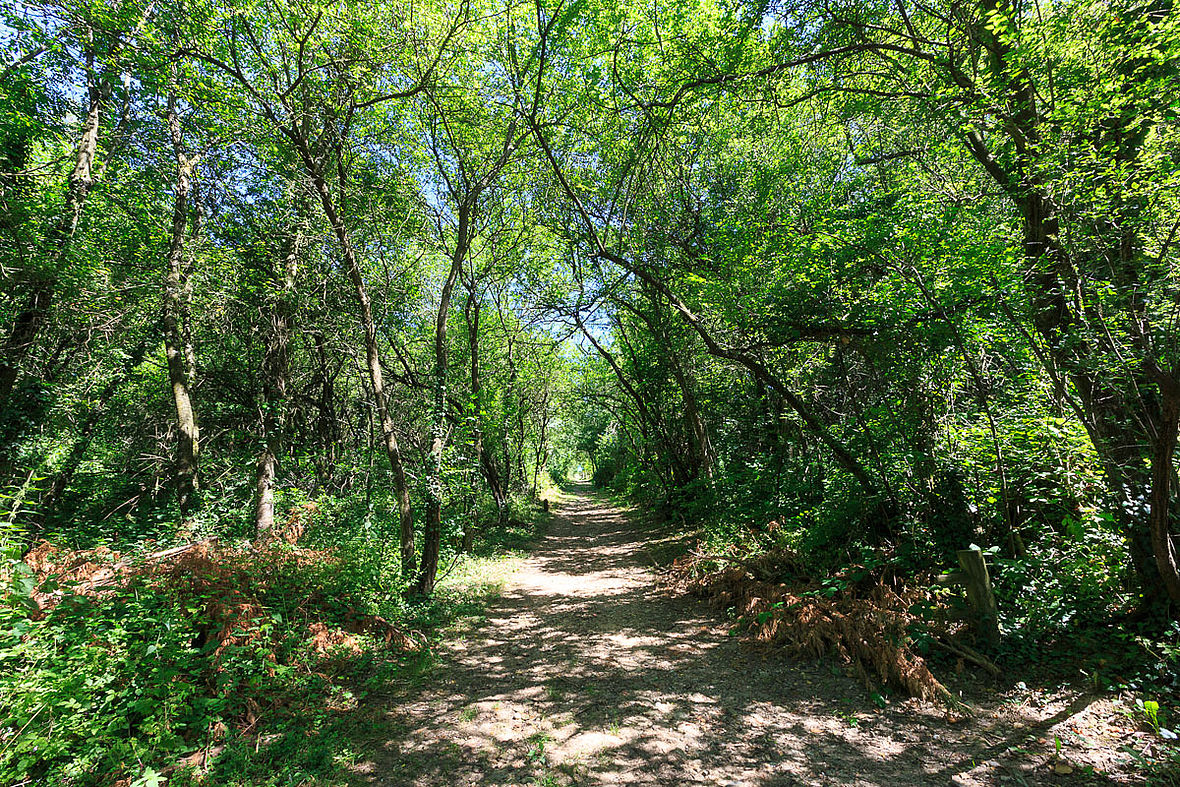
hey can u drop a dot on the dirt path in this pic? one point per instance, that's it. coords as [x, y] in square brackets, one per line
[586, 673]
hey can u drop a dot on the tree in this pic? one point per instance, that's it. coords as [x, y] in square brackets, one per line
[1067, 118]
[340, 70]
[99, 44]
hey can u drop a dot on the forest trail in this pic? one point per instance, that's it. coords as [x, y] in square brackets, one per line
[586, 672]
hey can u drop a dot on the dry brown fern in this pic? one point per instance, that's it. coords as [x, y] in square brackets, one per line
[868, 630]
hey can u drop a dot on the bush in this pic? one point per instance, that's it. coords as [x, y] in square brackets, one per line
[171, 658]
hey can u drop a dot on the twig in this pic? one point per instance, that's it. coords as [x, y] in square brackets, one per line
[22, 729]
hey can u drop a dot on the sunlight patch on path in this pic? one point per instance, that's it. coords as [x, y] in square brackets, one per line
[586, 673]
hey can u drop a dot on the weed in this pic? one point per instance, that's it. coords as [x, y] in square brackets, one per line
[536, 743]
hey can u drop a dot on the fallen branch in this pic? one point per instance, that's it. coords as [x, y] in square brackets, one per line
[153, 559]
[968, 654]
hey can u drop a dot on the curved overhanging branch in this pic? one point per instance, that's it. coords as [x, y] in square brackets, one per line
[840, 452]
[811, 422]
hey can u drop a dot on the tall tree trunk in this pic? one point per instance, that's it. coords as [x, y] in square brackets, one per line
[276, 369]
[510, 396]
[177, 290]
[35, 313]
[486, 462]
[1163, 450]
[702, 460]
[432, 532]
[372, 358]
[1112, 409]
[541, 456]
[1116, 413]
[327, 431]
[521, 474]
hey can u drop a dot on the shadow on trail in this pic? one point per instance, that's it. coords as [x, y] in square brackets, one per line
[586, 673]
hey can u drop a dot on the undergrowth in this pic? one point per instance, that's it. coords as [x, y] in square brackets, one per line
[861, 616]
[1067, 610]
[221, 663]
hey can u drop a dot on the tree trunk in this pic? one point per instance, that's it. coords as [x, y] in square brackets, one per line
[61, 481]
[32, 318]
[1116, 412]
[326, 428]
[372, 358]
[1163, 450]
[510, 396]
[276, 370]
[432, 533]
[486, 463]
[702, 461]
[541, 456]
[469, 528]
[177, 289]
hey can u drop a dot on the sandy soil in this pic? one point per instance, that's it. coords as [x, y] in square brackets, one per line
[587, 673]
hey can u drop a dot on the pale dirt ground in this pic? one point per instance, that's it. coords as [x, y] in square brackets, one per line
[587, 673]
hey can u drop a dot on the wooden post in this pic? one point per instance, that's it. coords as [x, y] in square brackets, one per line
[979, 594]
